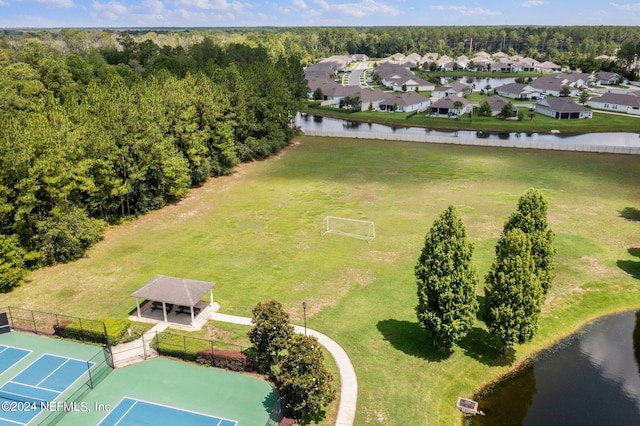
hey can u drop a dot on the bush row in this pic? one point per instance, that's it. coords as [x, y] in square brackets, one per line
[202, 352]
[93, 330]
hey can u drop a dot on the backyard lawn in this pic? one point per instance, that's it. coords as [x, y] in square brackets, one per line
[256, 234]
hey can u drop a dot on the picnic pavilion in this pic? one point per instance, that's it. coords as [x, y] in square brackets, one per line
[171, 294]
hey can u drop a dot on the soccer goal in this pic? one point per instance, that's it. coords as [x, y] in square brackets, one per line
[361, 229]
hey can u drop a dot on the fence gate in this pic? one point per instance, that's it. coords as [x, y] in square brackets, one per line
[133, 352]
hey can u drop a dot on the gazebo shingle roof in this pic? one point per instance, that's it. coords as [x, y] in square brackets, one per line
[178, 291]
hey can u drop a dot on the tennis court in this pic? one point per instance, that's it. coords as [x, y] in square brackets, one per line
[40, 383]
[10, 356]
[134, 412]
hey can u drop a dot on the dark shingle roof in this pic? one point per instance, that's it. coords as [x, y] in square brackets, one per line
[179, 291]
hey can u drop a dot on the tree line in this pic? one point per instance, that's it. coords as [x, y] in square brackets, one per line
[578, 47]
[515, 286]
[89, 139]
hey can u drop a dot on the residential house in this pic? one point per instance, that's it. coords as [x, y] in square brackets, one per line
[549, 85]
[562, 108]
[400, 79]
[607, 78]
[497, 104]
[621, 102]
[414, 57]
[517, 91]
[549, 67]
[396, 58]
[453, 88]
[501, 66]
[447, 107]
[406, 102]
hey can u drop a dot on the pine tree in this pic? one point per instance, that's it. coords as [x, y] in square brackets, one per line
[513, 291]
[446, 281]
[531, 218]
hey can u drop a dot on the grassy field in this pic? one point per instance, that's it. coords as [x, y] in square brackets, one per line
[256, 234]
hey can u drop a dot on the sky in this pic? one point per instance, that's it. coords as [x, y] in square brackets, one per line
[287, 13]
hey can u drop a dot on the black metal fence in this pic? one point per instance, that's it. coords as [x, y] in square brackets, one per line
[96, 373]
[204, 351]
[47, 323]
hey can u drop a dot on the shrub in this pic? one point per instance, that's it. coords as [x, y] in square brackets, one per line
[177, 346]
[229, 360]
[93, 330]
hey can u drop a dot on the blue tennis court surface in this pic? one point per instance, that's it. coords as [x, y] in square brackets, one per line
[134, 412]
[10, 355]
[42, 382]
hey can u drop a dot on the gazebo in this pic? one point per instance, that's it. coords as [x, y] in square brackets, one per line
[168, 292]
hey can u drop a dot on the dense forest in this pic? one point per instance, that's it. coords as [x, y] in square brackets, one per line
[100, 125]
[90, 138]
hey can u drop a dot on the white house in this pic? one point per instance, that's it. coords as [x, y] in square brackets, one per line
[620, 102]
[406, 102]
[447, 107]
[562, 108]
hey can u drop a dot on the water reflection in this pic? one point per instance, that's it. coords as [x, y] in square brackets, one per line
[335, 124]
[591, 378]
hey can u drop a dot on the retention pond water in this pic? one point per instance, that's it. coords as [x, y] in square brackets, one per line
[590, 378]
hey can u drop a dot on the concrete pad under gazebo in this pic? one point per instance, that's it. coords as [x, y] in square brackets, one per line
[165, 294]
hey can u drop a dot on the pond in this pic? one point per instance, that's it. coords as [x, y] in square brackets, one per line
[316, 122]
[590, 378]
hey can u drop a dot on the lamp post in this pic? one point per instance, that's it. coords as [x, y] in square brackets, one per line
[304, 309]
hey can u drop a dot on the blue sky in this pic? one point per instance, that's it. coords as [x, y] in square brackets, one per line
[242, 13]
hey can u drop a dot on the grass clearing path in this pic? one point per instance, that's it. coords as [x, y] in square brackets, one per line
[256, 234]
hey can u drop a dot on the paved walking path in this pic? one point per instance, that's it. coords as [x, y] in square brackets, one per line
[348, 379]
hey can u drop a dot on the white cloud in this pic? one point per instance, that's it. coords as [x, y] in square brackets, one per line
[467, 11]
[60, 4]
[627, 7]
[532, 3]
[213, 5]
[358, 10]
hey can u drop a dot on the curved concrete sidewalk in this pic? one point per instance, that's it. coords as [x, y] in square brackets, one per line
[348, 379]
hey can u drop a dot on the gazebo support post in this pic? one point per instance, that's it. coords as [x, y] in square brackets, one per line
[138, 306]
[164, 311]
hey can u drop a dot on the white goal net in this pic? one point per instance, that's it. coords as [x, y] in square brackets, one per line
[361, 229]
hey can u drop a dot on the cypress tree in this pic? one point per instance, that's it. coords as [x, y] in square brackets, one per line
[513, 291]
[531, 218]
[446, 281]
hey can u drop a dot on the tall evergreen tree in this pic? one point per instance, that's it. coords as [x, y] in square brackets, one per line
[531, 218]
[446, 281]
[513, 292]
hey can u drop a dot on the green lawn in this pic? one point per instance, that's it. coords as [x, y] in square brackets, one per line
[257, 235]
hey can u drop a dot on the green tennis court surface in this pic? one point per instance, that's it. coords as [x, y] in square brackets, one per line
[134, 412]
[162, 386]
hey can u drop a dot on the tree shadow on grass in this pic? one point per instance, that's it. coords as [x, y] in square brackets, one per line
[630, 213]
[482, 346]
[410, 338]
[631, 267]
